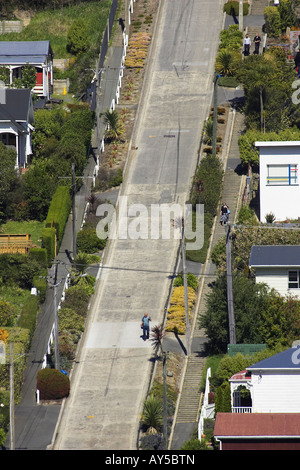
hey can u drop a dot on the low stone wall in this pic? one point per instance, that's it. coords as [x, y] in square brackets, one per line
[61, 86]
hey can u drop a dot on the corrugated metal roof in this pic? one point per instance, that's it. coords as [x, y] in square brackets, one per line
[16, 105]
[275, 255]
[14, 52]
[257, 424]
[288, 359]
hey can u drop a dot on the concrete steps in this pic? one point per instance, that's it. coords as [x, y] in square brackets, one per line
[189, 402]
[190, 393]
[258, 6]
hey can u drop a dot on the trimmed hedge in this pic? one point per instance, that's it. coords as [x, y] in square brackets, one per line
[232, 8]
[40, 255]
[52, 384]
[29, 314]
[59, 211]
[48, 242]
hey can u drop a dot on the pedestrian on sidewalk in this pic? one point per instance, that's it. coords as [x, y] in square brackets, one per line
[276, 3]
[256, 41]
[247, 44]
[223, 214]
[145, 324]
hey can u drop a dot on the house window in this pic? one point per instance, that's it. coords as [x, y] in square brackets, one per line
[282, 174]
[293, 279]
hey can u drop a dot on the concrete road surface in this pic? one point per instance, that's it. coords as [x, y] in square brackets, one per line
[112, 376]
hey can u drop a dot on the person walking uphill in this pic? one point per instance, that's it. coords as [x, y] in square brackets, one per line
[145, 324]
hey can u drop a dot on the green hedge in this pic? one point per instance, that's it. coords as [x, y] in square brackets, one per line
[48, 242]
[40, 255]
[232, 8]
[29, 314]
[59, 211]
[88, 241]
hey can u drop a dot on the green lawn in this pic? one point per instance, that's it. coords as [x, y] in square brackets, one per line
[54, 24]
[33, 227]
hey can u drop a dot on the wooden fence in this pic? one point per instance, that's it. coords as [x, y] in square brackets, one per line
[15, 243]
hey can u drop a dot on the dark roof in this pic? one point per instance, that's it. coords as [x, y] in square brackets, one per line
[288, 359]
[229, 425]
[16, 52]
[275, 255]
[17, 105]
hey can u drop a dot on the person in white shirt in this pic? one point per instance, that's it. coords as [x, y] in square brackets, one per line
[247, 44]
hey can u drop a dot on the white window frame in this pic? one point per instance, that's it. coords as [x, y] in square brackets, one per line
[288, 176]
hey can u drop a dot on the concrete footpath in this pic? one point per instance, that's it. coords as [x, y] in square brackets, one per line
[35, 423]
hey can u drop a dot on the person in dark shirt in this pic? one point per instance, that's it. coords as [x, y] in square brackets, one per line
[256, 41]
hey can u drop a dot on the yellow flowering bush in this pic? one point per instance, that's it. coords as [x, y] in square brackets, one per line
[3, 335]
[137, 50]
[176, 313]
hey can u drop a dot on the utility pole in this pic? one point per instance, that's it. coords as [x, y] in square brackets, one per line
[215, 115]
[231, 320]
[12, 397]
[56, 342]
[186, 299]
[165, 433]
[241, 26]
[73, 213]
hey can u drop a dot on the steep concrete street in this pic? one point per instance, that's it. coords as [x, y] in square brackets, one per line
[112, 375]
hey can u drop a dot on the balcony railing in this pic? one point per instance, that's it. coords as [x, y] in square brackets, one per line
[241, 409]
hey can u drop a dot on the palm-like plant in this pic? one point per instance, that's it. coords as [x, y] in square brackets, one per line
[208, 131]
[157, 334]
[152, 414]
[226, 62]
[115, 128]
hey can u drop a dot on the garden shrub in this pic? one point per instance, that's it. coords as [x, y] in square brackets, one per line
[272, 21]
[7, 314]
[18, 269]
[40, 255]
[68, 319]
[207, 184]
[52, 384]
[176, 312]
[78, 37]
[232, 8]
[88, 241]
[76, 298]
[192, 281]
[41, 285]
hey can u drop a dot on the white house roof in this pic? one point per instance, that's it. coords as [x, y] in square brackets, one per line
[275, 256]
[288, 359]
[278, 143]
[21, 52]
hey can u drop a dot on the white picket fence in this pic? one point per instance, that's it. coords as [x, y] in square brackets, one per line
[207, 410]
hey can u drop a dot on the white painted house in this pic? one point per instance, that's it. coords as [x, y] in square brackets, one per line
[14, 55]
[279, 164]
[274, 384]
[278, 266]
[16, 122]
